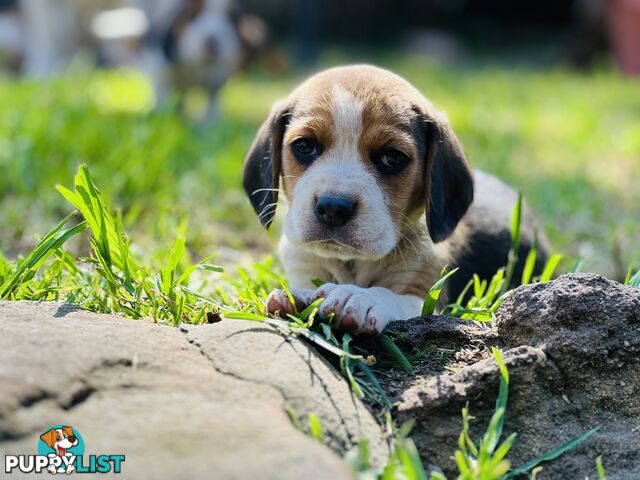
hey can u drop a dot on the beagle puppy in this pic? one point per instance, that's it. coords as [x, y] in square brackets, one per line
[381, 198]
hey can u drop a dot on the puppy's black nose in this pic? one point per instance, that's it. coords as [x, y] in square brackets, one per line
[72, 438]
[334, 211]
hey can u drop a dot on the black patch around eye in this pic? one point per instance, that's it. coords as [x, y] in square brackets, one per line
[391, 161]
[306, 150]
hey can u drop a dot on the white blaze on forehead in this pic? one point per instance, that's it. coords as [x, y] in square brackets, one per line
[346, 110]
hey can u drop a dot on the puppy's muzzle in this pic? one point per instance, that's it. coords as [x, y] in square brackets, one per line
[335, 211]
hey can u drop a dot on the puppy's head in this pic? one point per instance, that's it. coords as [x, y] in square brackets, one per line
[62, 437]
[361, 154]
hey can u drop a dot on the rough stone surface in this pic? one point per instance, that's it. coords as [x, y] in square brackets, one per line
[203, 402]
[572, 350]
[209, 401]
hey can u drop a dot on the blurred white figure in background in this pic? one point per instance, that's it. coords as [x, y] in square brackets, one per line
[204, 47]
[179, 44]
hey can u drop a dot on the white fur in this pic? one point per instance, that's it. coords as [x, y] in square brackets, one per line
[371, 308]
[361, 310]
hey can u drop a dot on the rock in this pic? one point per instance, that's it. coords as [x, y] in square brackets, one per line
[571, 347]
[214, 400]
[257, 354]
[202, 402]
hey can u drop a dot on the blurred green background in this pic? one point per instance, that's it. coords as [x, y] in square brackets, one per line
[569, 141]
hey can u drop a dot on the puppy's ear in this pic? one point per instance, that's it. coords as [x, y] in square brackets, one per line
[448, 178]
[49, 438]
[263, 164]
[68, 431]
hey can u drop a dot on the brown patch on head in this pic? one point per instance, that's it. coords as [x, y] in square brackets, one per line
[311, 119]
[68, 431]
[389, 124]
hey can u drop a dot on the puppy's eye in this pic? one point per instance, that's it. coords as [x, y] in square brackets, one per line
[306, 150]
[392, 161]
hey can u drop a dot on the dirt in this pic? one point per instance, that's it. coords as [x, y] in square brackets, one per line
[572, 349]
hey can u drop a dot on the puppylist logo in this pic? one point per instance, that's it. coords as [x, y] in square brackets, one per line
[61, 450]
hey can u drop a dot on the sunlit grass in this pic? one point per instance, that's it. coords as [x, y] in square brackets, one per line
[569, 142]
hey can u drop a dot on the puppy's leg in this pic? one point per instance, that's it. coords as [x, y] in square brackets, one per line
[365, 310]
[278, 302]
[70, 469]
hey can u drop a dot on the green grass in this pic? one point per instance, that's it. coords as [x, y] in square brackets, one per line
[569, 142]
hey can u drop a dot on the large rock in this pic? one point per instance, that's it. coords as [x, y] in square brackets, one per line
[210, 401]
[572, 349]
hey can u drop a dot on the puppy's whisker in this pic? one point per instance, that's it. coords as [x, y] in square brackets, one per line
[266, 211]
[406, 239]
[265, 190]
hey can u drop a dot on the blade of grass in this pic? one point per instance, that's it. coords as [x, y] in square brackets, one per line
[550, 268]
[634, 281]
[529, 265]
[516, 215]
[577, 267]
[429, 305]
[503, 395]
[601, 473]
[552, 455]
[45, 248]
[374, 381]
[389, 345]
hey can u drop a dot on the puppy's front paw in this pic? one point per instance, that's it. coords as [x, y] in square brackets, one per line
[279, 304]
[354, 309]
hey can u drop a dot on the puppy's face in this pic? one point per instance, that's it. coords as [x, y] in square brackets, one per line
[350, 164]
[357, 151]
[60, 438]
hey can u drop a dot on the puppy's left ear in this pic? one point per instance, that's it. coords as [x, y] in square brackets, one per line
[449, 181]
[49, 438]
[263, 164]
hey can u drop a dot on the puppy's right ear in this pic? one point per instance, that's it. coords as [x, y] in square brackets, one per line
[263, 164]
